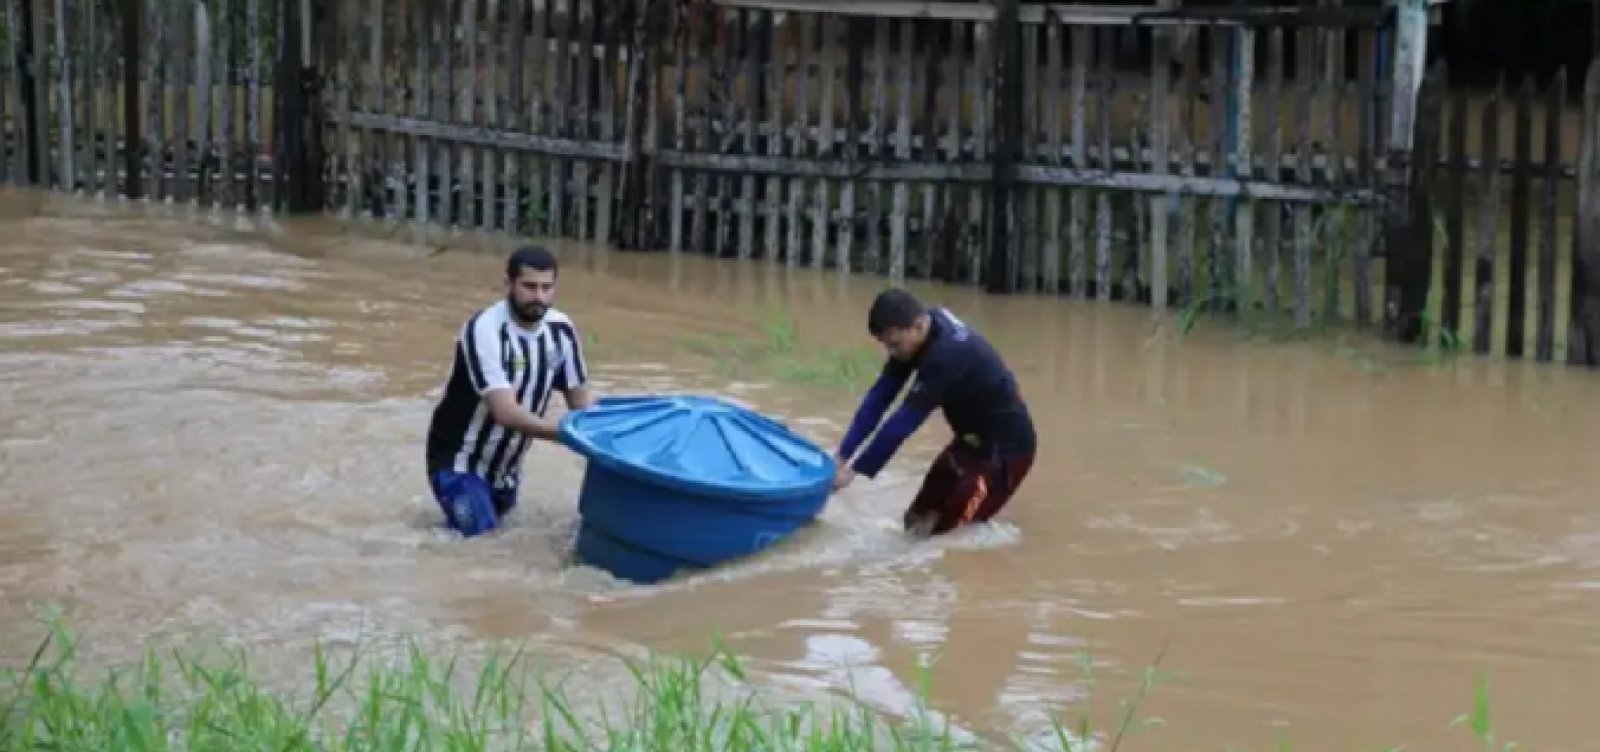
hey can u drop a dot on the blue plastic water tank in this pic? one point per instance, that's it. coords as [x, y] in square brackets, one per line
[679, 483]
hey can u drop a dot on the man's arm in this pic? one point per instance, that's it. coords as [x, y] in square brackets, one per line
[933, 380]
[480, 347]
[573, 376]
[873, 404]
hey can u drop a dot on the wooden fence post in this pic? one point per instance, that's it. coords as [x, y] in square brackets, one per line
[31, 61]
[638, 213]
[1583, 331]
[132, 133]
[297, 151]
[1409, 223]
[1000, 262]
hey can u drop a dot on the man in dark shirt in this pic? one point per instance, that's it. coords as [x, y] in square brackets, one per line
[957, 370]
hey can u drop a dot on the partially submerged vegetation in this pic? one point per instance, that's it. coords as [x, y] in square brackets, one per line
[176, 701]
[778, 352]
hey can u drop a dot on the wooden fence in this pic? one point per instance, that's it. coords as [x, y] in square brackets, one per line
[172, 100]
[1242, 160]
[1511, 260]
[883, 137]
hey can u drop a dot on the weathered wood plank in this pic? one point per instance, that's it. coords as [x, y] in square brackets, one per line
[496, 193]
[226, 189]
[1078, 208]
[638, 201]
[680, 137]
[1080, 15]
[775, 81]
[610, 55]
[397, 90]
[562, 20]
[1333, 239]
[1549, 197]
[952, 225]
[827, 52]
[489, 138]
[1055, 40]
[202, 92]
[1244, 210]
[347, 83]
[541, 85]
[466, 114]
[932, 62]
[1025, 247]
[18, 169]
[800, 57]
[1106, 84]
[1188, 205]
[982, 93]
[1455, 196]
[1303, 228]
[375, 100]
[879, 134]
[514, 117]
[68, 180]
[159, 95]
[89, 84]
[1367, 174]
[750, 20]
[968, 172]
[1160, 145]
[182, 89]
[421, 104]
[1272, 125]
[732, 36]
[253, 106]
[854, 63]
[582, 122]
[1218, 270]
[1583, 329]
[899, 217]
[1521, 188]
[1489, 207]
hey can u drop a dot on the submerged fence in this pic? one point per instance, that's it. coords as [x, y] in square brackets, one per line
[1252, 161]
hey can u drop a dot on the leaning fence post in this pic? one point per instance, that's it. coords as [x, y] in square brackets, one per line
[1409, 270]
[1410, 19]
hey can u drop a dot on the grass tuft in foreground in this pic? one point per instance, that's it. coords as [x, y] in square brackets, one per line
[173, 701]
[177, 702]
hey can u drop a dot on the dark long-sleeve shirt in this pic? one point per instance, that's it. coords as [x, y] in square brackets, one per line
[957, 370]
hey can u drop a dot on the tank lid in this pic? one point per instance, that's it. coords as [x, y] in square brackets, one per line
[698, 444]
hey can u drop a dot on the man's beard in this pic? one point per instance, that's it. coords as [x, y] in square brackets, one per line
[530, 312]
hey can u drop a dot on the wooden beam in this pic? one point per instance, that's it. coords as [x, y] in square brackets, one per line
[1039, 175]
[484, 137]
[1072, 14]
[939, 172]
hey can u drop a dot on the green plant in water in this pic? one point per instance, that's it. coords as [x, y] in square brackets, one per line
[779, 352]
[1478, 720]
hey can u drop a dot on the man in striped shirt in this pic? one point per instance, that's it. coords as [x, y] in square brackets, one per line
[510, 358]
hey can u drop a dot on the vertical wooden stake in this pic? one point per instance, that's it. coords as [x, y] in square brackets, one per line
[1000, 257]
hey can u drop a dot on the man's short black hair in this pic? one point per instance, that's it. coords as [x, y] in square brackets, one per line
[894, 308]
[533, 257]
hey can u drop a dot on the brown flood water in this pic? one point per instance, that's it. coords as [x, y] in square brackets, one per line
[208, 430]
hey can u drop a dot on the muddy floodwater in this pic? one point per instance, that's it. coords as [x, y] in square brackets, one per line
[210, 427]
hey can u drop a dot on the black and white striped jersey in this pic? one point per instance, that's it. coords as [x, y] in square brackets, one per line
[493, 351]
